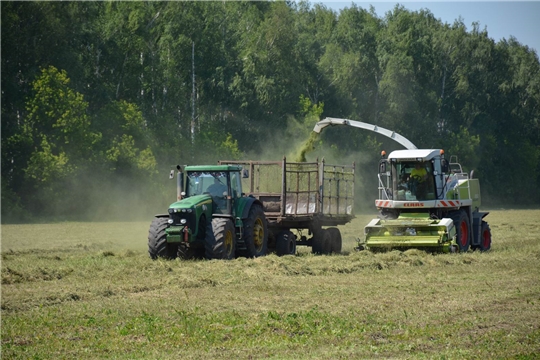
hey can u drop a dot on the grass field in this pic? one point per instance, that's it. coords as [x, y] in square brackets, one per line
[89, 290]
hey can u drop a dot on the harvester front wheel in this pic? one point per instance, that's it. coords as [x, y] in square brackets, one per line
[285, 243]
[256, 232]
[158, 247]
[220, 239]
[485, 241]
[335, 240]
[462, 224]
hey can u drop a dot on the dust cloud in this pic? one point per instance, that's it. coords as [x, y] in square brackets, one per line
[299, 143]
[96, 196]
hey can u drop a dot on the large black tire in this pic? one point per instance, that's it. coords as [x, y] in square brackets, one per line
[188, 252]
[256, 232]
[285, 243]
[335, 240]
[157, 240]
[462, 224]
[321, 242]
[485, 237]
[220, 239]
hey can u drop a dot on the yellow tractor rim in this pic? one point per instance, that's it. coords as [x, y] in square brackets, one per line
[258, 234]
[229, 242]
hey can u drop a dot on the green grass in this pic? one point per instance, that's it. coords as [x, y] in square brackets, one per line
[89, 290]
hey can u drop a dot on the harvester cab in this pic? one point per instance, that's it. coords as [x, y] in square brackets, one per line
[412, 175]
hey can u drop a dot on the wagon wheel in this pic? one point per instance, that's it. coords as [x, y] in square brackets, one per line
[335, 240]
[321, 242]
[285, 243]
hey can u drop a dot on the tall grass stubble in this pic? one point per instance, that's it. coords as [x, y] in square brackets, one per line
[89, 290]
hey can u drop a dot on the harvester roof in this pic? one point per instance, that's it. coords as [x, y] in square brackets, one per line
[413, 155]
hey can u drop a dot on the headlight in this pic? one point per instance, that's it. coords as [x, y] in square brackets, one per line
[189, 210]
[171, 211]
[170, 221]
[183, 221]
[183, 210]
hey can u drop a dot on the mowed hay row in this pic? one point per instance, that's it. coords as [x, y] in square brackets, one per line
[95, 293]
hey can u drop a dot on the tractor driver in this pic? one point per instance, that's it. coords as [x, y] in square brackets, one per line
[218, 191]
[419, 175]
[420, 172]
[217, 188]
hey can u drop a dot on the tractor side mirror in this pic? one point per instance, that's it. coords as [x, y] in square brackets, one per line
[245, 173]
[171, 175]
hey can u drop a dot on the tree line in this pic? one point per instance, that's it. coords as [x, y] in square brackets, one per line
[101, 98]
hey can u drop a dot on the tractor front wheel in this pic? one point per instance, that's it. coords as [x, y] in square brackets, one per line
[220, 239]
[157, 240]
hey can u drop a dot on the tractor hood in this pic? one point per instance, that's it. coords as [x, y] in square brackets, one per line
[192, 201]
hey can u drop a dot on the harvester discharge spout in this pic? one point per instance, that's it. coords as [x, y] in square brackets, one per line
[362, 125]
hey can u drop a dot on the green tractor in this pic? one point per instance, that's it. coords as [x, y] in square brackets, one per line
[212, 218]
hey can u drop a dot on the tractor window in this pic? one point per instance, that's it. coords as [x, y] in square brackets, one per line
[236, 185]
[213, 182]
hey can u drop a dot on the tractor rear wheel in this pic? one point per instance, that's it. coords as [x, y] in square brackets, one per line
[158, 247]
[335, 240]
[220, 239]
[285, 243]
[485, 237]
[256, 232]
[462, 224]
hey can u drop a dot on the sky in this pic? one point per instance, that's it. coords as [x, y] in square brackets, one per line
[520, 19]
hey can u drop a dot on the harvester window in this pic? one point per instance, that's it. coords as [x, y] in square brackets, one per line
[415, 181]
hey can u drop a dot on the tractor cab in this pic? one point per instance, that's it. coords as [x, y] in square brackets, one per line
[221, 182]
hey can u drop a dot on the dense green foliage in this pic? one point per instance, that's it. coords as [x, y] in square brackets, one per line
[100, 95]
